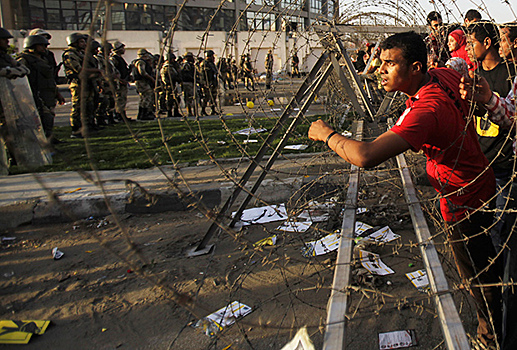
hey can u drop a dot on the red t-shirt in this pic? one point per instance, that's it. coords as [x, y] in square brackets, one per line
[435, 122]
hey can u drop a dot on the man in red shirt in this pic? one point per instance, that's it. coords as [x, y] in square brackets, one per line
[436, 122]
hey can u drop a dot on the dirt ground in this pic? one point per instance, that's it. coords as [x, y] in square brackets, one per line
[104, 295]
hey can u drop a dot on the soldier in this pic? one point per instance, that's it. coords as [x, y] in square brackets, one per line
[106, 106]
[51, 59]
[234, 72]
[170, 76]
[269, 68]
[123, 79]
[10, 69]
[73, 58]
[188, 72]
[295, 62]
[145, 83]
[222, 65]
[41, 80]
[247, 72]
[209, 82]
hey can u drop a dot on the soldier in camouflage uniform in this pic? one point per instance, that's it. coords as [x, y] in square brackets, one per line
[209, 82]
[10, 69]
[188, 72]
[269, 68]
[41, 80]
[106, 107]
[123, 80]
[145, 83]
[170, 77]
[73, 58]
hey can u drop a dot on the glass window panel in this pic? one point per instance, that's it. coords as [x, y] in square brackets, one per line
[37, 19]
[53, 16]
[117, 7]
[84, 5]
[54, 25]
[132, 21]
[84, 19]
[67, 4]
[36, 3]
[52, 4]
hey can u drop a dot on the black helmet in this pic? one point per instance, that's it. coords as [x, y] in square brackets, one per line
[4, 34]
[95, 45]
[39, 31]
[33, 40]
[74, 38]
[209, 53]
[106, 46]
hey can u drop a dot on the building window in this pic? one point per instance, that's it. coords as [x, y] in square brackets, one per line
[315, 6]
[260, 21]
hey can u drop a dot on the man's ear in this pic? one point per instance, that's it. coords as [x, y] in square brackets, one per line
[487, 43]
[416, 67]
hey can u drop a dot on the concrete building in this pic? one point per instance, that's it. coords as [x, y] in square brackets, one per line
[232, 27]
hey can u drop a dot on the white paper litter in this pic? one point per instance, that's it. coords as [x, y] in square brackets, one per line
[346, 134]
[374, 264]
[301, 341]
[295, 226]
[361, 210]
[314, 215]
[297, 147]
[419, 279]
[262, 215]
[360, 227]
[57, 254]
[250, 141]
[322, 246]
[227, 315]
[275, 109]
[396, 340]
[385, 234]
[249, 131]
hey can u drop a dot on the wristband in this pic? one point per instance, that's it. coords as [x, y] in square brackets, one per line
[328, 137]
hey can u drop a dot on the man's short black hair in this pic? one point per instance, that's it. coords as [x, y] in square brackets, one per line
[433, 16]
[483, 30]
[412, 46]
[512, 30]
[473, 15]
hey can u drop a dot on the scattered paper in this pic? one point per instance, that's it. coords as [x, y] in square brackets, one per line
[221, 142]
[223, 317]
[8, 239]
[361, 227]
[20, 332]
[275, 109]
[57, 254]
[301, 341]
[295, 226]
[314, 215]
[250, 141]
[373, 263]
[262, 215]
[385, 234]
[249, 131]
[322, 246]
[271, 240]
[297, 147]
[419, 280]
[346, 134]
[397, 339]
[361, 210]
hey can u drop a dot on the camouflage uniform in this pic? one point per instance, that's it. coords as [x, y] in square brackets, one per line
[170, 78]
[123, 80]
[269, 69]
[106, 106]
[72, 62]
[144, 85]
[209, 84]
[188, 72]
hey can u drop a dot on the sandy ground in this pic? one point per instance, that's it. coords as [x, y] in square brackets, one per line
[106, 293]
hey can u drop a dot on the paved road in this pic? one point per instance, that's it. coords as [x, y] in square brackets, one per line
[233, 101]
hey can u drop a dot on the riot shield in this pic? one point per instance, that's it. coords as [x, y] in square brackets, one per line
[25, 137]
